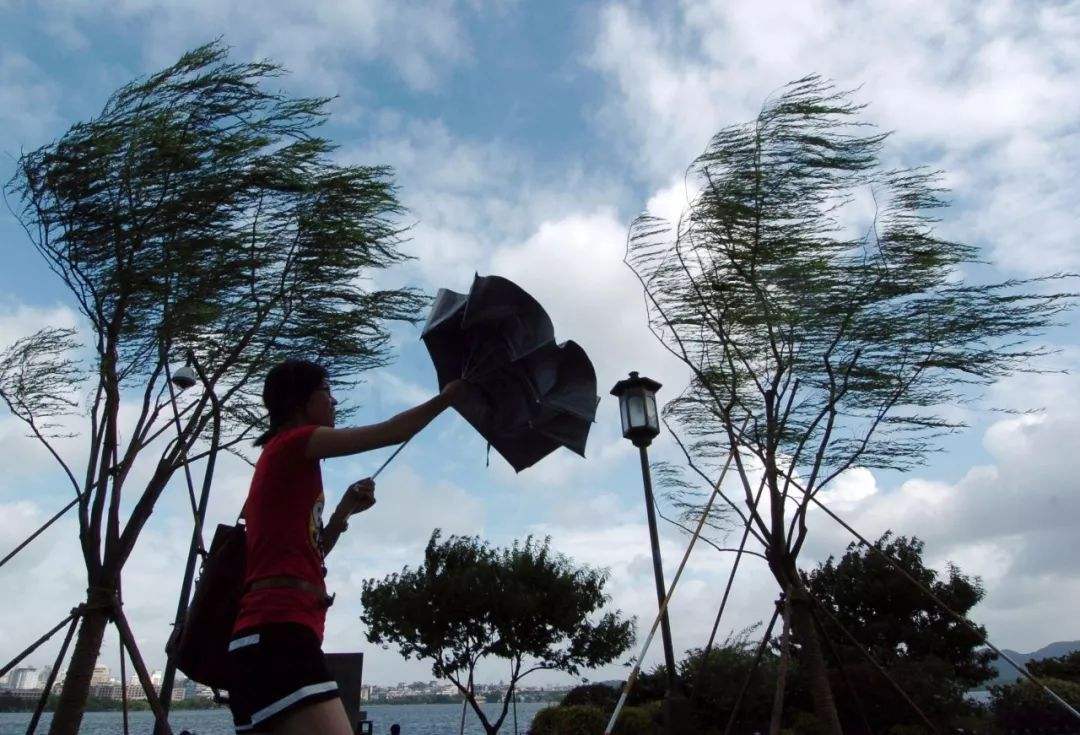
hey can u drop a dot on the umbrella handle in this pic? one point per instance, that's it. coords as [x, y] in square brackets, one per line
[391, 457]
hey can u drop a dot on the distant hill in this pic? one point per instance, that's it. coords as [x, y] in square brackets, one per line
[1007, 674]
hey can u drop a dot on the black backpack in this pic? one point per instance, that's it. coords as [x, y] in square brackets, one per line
[200, 645]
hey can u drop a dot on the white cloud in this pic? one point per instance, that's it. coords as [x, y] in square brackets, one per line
[981, 91]
[18, 320]
[28, 100]
[574, 267]
[316, 41]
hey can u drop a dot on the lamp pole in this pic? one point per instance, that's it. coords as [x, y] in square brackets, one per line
[658, 567]
[641, 424]
[184, 378]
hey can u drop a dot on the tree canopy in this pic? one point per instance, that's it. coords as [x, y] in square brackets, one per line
[468, 600]
[926, 651]
[1065, 667]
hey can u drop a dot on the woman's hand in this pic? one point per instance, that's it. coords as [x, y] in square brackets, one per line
[454, 390]
[358, 497]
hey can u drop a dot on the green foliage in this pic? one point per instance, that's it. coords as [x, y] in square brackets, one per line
[11, 703]
[933, 658]
[1025, 707]
[714, 682]
[597, 695]
[589, 719]
[468, 600]
[804, 723]
[641, 720]
[35, 375]
[649, 687]
[1065, 667]
[199, 210]
[909, 730]
[579, 719]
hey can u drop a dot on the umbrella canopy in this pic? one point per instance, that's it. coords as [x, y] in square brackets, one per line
[530, 395]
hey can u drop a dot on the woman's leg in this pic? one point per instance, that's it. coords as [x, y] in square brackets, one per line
[321, 718]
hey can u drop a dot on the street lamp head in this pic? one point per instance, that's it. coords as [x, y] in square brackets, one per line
[637, 407]
[184, 377]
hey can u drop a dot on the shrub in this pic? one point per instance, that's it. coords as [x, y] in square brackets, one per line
[586, 719]
[598, 695]
[580, 719]
[642, 720]
[1023, 705]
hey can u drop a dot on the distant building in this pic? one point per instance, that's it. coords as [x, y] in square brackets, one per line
[25, 677]
[43, 676]
[100, 675]
[106, 690]
[135, 690]
[192, 690]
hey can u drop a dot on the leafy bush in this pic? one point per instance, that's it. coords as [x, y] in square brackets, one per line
[579, 719]
[1025, 706]
[586, 719]
[643, 720]
[598, 695]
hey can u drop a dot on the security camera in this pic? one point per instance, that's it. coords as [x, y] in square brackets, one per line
[184, 377]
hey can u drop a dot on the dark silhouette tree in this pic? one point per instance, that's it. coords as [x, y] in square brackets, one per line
[197, 218]
[1065, 667]
[715, 678]
[814, 344]
[932, 656]
[468, 601]
[1023, 707]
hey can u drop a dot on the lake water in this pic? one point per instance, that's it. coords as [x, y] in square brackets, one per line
[415, 719]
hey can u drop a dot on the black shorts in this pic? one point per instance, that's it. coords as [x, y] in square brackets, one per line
[275, 669]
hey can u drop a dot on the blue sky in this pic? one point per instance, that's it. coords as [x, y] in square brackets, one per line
[526, 136]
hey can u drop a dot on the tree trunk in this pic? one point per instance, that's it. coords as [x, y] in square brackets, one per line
[72, 704]
[818, 679]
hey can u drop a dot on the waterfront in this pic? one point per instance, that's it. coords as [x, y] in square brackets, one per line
[415, 719]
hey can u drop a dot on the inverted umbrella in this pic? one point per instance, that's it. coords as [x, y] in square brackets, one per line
[530, 395]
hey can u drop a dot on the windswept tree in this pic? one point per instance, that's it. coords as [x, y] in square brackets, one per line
[468, 601]
[198, 218]
[823, 320]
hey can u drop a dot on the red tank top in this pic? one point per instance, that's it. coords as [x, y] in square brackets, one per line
[284, 534]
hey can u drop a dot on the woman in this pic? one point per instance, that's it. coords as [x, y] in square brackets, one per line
[280, 683]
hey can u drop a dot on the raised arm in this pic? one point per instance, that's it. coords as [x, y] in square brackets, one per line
[331, 442]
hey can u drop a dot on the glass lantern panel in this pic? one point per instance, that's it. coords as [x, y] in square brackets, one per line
[635, 403]
[623, 414]
[650, 412]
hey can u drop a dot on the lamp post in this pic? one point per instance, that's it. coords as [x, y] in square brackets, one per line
[185, 377]
[641, 424]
